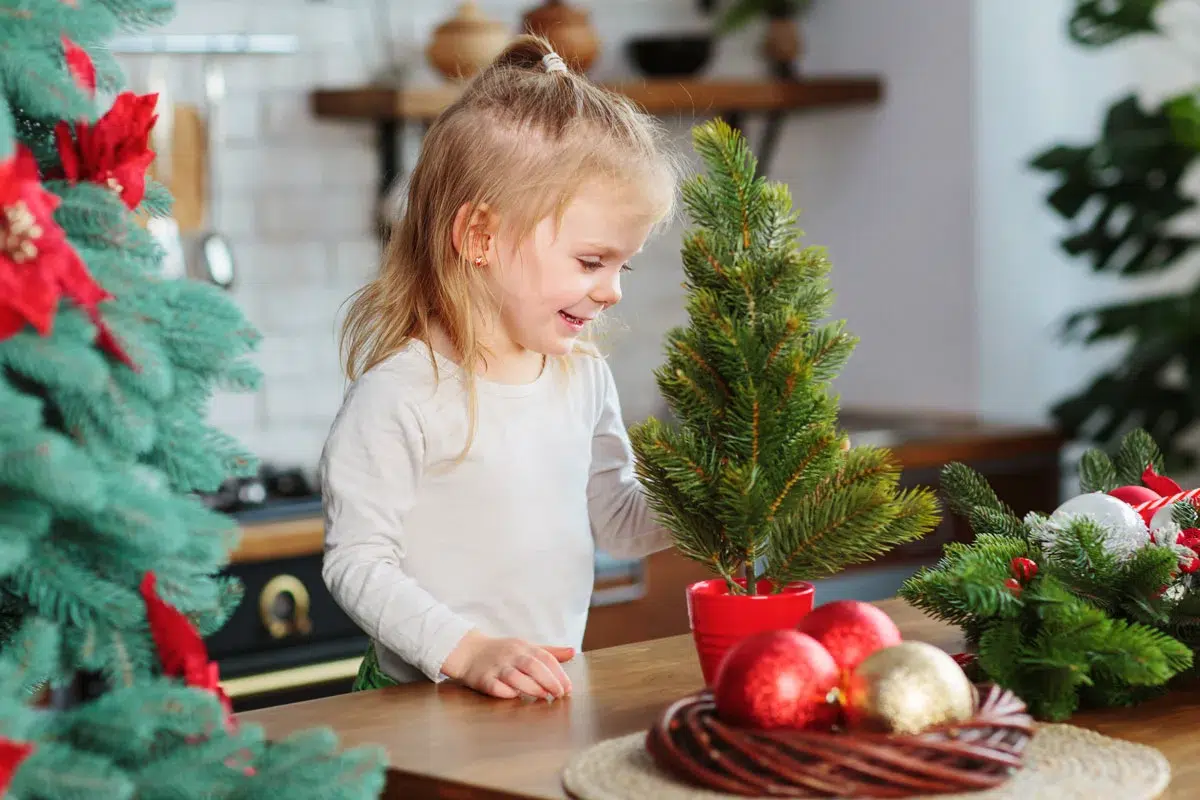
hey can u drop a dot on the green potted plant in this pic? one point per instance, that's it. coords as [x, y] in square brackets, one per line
[755, 479]
[782, 44]
[1127, 205]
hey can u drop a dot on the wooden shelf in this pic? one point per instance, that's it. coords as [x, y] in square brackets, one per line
[657, 96]
[390, 109]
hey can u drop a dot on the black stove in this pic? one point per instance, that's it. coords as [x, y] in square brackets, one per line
[287, 640]
[274, 494]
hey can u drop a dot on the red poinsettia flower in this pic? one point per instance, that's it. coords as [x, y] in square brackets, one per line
[1159, 483]
[38, 266]
[1189, 538]
[181, 651]
[11, 755]
[80, 64]
[114, 152]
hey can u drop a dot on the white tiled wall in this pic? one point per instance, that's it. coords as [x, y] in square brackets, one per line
[888, 190]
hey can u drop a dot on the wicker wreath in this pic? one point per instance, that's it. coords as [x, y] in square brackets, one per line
[690, 742]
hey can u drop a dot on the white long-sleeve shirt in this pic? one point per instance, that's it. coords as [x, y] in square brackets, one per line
[419, 549]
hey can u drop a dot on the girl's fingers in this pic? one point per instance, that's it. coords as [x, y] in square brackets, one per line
[521, 683]
[551, 663]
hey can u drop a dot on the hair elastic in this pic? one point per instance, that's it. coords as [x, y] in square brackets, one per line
[553, 62]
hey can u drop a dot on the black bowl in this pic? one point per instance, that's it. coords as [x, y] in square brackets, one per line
[670, 56]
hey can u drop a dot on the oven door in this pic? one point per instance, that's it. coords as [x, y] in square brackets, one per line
[288, 640]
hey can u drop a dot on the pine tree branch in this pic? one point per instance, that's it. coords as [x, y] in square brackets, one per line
[965, 489]
[1138, 451]
[696, 359]
[820, 536]
[986, 520]
[817, 446]
[827, 349]
[677, 484]
[700, 240]
[1097, 472]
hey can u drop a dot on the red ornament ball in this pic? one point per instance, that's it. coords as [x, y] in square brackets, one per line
[1134, 495]
[777, 679]
[1013, 585]
[850, 630]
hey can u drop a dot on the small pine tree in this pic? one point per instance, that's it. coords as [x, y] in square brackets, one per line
[754, 481]
[1092, 627]
[106, 370]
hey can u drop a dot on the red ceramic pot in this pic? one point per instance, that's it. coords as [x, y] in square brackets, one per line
[719, 620]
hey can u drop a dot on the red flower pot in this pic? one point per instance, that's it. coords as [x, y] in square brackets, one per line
[720, 620]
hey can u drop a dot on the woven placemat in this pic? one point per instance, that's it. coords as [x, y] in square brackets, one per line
[1062, 762]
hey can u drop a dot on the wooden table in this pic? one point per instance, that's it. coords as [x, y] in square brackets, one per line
[448, 742]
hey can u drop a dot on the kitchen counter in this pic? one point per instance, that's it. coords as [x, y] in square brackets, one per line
[289, 641]
[447, 741]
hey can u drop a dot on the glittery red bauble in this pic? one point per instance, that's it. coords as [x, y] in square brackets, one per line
[777, 679]
[1134, 495]
[850, 630]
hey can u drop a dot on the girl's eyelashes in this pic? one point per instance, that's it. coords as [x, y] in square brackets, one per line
[595, 265]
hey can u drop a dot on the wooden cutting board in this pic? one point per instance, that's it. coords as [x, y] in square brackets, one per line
[186, 173]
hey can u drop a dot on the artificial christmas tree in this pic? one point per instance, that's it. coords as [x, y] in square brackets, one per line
[755, 481]
[1084, 607]
[109, 563]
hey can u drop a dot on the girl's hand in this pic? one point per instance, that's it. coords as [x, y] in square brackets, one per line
[509, 668]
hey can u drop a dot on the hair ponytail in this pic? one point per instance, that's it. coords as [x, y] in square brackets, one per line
[525, 52]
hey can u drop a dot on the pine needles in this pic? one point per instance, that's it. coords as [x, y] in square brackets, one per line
[754, 482]
[1092, 627]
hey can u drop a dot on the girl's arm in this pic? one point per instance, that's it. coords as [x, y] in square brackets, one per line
[369, 473]
[622, 523]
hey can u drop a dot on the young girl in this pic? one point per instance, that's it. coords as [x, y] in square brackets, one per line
[479, 458]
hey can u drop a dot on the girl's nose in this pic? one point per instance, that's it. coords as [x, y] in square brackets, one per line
[608, 291]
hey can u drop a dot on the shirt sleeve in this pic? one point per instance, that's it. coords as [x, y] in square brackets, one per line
[370, 469]
[623, 525]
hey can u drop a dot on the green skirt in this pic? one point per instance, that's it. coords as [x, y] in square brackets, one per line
[370, 676]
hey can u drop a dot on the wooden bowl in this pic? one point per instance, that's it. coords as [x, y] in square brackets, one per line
[690, 742]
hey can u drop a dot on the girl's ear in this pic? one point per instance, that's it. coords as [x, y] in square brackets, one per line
[472, 232]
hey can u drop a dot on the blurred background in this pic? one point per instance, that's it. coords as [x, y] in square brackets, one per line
[981, 172]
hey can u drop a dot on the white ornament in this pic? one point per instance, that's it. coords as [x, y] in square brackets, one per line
[1126, 531]
[1163, 517]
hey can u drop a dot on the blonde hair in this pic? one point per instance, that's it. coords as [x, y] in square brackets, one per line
[521, 139]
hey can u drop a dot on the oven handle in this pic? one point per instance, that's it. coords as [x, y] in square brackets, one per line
[300, 622]
[292, 678]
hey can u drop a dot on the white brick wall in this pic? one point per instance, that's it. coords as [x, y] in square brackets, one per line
[887, 190]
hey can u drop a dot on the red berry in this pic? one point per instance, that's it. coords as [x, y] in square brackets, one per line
[1023, 569]
[850, 630]
[1013, 585]
[777, 679]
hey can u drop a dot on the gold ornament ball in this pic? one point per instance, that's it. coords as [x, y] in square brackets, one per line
[907, 688]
